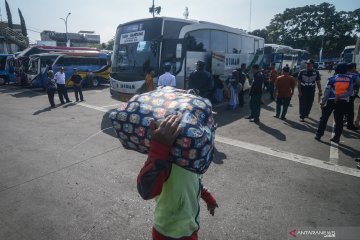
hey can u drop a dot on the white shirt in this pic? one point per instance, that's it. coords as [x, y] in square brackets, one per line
[167, 79]
[60, 78]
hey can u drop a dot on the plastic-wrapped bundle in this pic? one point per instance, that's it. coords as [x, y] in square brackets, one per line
[194, 147]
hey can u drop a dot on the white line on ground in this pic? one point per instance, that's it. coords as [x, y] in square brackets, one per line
[289, 156]
[101, 109]
[113, 105]
[334, 149]
[270, 151]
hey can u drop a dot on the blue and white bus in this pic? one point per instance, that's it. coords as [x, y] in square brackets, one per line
[154, 42]
[281, 55]
[7, 69]
[86, 62]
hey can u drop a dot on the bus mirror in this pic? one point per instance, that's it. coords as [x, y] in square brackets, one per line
[178, 50]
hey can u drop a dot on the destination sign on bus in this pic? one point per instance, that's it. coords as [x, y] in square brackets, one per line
[132, 37]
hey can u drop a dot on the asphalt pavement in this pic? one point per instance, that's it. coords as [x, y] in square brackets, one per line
[64, 175]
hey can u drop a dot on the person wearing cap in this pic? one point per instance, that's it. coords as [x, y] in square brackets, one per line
[201, 80]
[167, 79]
[77, 80]
[255, 94]
[284, 90]
[51, 87]
[61, 88]
[336, 99]
[307, 79]
[350, 110]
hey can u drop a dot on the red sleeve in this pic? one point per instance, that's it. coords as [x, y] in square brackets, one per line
[207, 196]
[155, 171]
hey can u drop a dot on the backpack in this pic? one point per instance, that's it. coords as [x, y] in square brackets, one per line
[193, 148]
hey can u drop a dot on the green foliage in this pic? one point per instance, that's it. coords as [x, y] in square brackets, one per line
[313, 26]
[9, 17]
[23, 25]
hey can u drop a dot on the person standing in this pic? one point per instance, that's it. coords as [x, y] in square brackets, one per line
[255, 94]
[61, 88]
[77, 80]
[284, 90]
[201, 80]
[336, 98]
[273, 77]
[177, 191]
[350, 109]
[242, 80]
[149, 80]
[51, 88]
[167, 79]
[307, 79]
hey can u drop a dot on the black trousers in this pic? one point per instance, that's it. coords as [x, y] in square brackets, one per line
[350, 112]
[339, 109]
[306, 101]
[62, 91]
[51, 94]
[241, 98]
[78, 91]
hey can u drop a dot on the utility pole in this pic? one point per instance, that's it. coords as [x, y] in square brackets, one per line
[154, 9]
[250, 16]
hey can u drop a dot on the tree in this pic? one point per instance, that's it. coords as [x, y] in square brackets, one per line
[22, 22]
[110, 44]
[312, 27]
[8, 12]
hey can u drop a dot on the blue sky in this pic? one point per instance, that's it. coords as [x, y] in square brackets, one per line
[104, 16]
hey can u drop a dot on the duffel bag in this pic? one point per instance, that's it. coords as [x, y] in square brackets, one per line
[193, 148]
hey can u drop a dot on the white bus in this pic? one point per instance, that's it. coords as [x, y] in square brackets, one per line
[154, 42]
[281, 55]
[347, 54]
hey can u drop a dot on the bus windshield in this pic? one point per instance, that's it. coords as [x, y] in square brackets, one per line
[136, 49]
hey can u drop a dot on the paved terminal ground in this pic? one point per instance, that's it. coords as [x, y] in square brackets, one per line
[64, 175]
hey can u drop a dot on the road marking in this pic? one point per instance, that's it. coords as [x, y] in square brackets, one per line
[334, 148]
[289, 156]
[113, 105]
[101, 109]
[271, 151]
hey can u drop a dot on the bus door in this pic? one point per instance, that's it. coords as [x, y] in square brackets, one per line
[190, 64]
[172, 53]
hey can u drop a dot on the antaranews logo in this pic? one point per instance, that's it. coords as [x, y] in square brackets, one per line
[293, 233]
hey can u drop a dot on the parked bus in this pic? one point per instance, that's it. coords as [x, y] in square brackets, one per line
[7, 71]
[154, 42]
[22, 58]
[356, 57]
[93, 66]
[281, 55]
[347, 54]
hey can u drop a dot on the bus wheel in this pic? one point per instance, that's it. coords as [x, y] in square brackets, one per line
[95, 82]
[2, 81]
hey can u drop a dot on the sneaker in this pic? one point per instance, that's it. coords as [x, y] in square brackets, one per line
[283, 118]
[255, 120]
[276, 116]
[335, 140]
[249, 117]
[317, 137]
[302, 119]
[68, 101]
